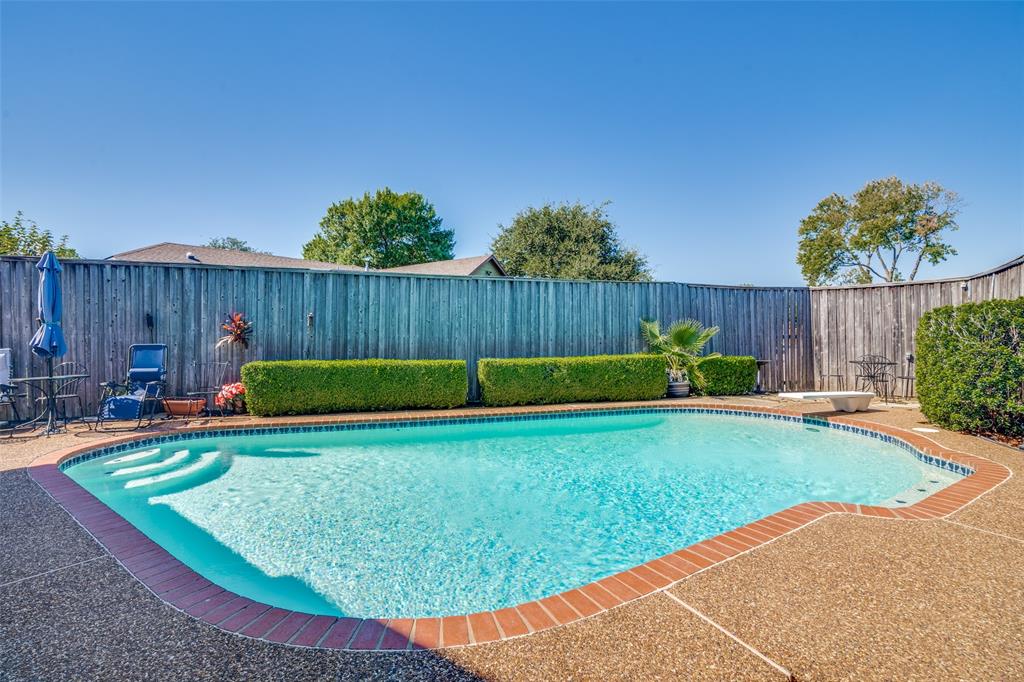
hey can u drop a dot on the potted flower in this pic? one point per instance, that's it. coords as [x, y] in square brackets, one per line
[681, 347]
[231, 396]
[238, 330]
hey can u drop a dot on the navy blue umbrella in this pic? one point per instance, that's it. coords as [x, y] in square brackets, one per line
[48, 341]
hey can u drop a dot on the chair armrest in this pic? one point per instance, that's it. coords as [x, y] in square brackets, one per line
[112, 388]
[156, 394]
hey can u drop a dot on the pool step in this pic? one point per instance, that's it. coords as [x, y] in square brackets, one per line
[176, 458]
[135, 456]
[205, 459]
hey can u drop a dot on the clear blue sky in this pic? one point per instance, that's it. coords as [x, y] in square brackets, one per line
[713, 128]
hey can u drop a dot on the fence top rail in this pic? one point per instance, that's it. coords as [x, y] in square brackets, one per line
[383, 273]
[1019, 260]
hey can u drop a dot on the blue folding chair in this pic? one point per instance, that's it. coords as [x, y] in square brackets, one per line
[143, 387]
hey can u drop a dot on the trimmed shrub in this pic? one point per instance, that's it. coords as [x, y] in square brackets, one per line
[322, 386]
[729, 375]
[543, 381]
[970, 366]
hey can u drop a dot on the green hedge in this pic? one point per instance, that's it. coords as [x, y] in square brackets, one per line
[322, 386]
[970, 366]
[540, 381]
[729, 375]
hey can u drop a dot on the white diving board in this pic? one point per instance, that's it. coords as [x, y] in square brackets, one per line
[842, 401]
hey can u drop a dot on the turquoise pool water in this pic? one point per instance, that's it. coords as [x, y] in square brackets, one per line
[438, 520]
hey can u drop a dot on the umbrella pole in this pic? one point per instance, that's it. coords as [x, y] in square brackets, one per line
[51, 402]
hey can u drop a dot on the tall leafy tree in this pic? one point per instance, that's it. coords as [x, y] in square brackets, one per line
[885, 226]
[23, 237]
[232, 244]
[568, 241]
[391, 229]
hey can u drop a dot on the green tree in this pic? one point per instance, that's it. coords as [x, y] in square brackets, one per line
[22, 237]
[391, 229]
[568, 241]
[232, 244]
[856, 239]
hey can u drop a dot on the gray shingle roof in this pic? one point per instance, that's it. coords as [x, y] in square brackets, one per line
[171, 252]
[456, 266]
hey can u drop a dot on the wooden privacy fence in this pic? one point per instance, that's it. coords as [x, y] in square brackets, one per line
[881, 319]
[313, 314]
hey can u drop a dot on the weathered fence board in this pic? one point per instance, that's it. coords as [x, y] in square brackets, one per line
[110, 305]
[881, 319]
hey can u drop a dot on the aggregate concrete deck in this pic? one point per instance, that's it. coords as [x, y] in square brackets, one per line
[843, 598]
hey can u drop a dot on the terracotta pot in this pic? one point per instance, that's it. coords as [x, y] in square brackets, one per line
[184, 407]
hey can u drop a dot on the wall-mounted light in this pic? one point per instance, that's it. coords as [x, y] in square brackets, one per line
[965, 285]
[309, 319]
[366, 263]
[149, 321]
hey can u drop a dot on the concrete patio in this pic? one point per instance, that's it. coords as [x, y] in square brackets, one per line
[846, 597]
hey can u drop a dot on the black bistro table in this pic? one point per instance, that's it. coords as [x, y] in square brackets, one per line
[875, 371]
[47, 387]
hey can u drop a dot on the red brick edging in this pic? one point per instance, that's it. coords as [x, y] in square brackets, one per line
[184, 589]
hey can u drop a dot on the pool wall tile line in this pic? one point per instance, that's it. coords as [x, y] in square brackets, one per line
[489, 416]
[185, 590]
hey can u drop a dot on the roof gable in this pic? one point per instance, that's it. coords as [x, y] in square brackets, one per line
[462, 267]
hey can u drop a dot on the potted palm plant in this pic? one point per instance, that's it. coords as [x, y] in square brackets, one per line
[682, 346]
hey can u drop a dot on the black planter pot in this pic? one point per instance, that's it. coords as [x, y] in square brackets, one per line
[678, 389]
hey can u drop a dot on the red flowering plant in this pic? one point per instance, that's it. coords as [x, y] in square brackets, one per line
[232, 396]
[238, 330]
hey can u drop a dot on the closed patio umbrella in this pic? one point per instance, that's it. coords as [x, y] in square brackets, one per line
[48, 341]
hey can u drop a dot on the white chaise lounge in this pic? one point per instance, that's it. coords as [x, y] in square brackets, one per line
[842, 401]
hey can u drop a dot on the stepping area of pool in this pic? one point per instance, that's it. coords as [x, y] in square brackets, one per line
[823, 591]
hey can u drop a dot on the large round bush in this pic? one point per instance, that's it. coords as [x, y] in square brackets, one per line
[970, 366]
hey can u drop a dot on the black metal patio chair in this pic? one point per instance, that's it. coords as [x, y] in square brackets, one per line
[207, 380]
[69, 389]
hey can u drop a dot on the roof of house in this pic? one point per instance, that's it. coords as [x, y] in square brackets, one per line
[455, 266]
[171, 252]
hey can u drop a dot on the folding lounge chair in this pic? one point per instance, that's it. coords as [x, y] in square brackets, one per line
[142, 390]
[8, 391]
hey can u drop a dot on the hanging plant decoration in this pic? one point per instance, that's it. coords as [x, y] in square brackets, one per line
[238, 330]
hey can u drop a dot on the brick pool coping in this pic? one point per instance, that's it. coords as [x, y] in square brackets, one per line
[184, 589]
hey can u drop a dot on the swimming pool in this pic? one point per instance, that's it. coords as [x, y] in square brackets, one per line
[427, 519]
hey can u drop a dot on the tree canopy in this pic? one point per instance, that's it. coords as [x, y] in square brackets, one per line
[568, 241]
[873, 233]
[391, 229]
[23, 237]
[232, 244]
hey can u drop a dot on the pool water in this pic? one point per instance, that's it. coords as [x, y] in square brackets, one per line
[418, 521]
